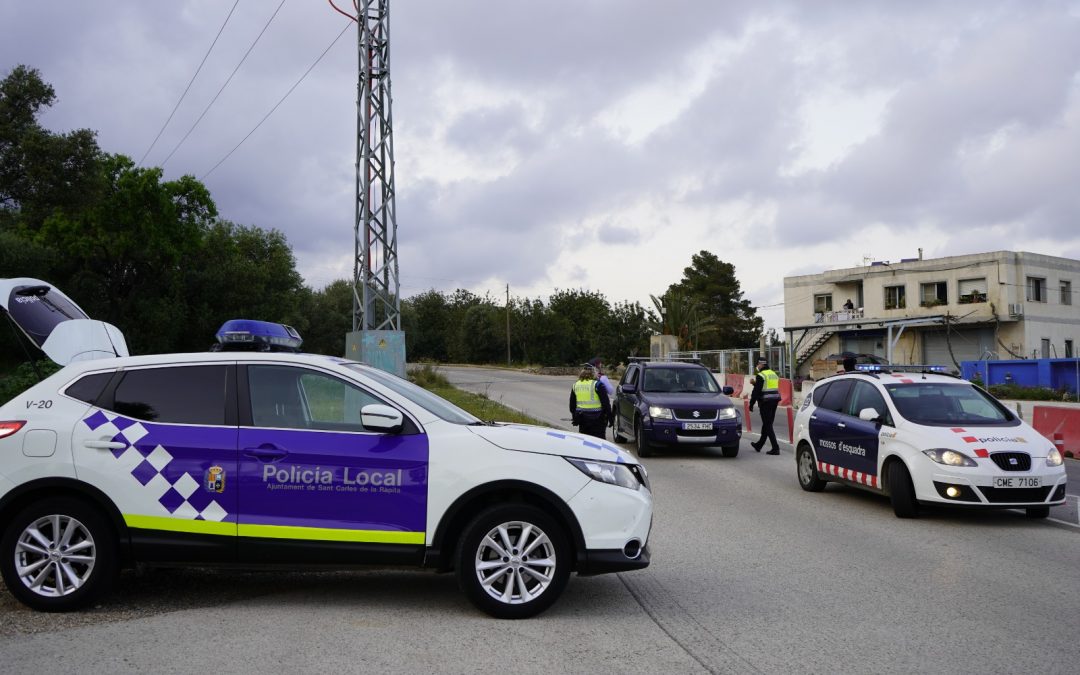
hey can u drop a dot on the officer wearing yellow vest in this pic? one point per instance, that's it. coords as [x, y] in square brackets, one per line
[767, 395]
[590, 408]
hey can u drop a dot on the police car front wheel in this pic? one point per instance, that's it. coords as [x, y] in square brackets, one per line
[58, 555]
[513, 561]
[808, 475]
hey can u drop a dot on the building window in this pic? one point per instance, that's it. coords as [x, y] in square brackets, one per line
[1036, 289]
[934, 294]
[1068, 349]
[895, 297]
[1066, 292]
[823, 302]
[971, 291]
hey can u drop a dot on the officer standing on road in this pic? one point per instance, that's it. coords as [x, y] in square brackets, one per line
[767, 395]
[589, 404]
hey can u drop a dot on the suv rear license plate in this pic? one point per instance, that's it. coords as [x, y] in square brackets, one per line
[1017, 481]
[697, 426]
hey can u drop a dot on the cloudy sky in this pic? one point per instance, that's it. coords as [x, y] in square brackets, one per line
[598, 144]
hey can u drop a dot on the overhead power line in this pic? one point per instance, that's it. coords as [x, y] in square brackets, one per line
[190, 82]
[276, 105]
[211, 103]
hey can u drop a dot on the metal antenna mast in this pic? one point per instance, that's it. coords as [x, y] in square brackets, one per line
[376, 301]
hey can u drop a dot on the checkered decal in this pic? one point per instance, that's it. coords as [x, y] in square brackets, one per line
[151, 466]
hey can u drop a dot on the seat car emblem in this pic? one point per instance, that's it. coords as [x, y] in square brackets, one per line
[697, 414]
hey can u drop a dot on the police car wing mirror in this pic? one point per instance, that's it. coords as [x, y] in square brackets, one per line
[728, 391]
[378, 417]
[869, 415]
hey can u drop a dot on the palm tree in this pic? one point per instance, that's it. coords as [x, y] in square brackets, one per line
[679, 316]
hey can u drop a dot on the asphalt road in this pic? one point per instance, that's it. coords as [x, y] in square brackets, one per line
[749, 575]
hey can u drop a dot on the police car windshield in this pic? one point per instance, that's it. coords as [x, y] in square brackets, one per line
[436, 405]
[679, 380]
[948, 404]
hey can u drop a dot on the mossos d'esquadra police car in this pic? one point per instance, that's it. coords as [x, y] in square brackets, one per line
[924, 437]
[264, 457]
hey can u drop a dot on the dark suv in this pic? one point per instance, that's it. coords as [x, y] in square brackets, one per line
[663, 403]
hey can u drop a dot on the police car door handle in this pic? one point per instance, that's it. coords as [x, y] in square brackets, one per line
[267, 452]
[105, 445]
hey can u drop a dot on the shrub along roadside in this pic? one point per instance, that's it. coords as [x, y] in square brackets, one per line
[431, 379]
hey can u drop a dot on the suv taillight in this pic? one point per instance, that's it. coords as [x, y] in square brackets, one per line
[8, 428]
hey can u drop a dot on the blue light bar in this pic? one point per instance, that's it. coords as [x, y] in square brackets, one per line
[265, 336]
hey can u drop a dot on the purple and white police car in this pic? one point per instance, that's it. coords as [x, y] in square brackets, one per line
[271, 458]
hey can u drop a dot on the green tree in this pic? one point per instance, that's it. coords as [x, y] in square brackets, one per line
[712, 283]
[679, 314]
[41, 171]
[126, 255]
[240, 272]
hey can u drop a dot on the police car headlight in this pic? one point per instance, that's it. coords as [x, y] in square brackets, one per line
[658, 413]
[949, 457]
[1053, 458]
[607, 472]
[727, 414]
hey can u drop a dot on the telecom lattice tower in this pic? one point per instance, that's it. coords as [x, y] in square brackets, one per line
[376, 336]
[376, 305]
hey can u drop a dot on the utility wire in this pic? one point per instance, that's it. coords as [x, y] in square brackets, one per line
[211, 103]
[190, 82]
[282, 100]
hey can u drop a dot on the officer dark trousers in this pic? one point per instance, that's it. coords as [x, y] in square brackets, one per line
[593, 424]
[768, 414]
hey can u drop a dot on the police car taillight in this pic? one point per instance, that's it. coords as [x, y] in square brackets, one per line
[248, 335]
[8, 428]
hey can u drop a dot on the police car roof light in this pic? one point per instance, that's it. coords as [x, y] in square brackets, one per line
[250, 335]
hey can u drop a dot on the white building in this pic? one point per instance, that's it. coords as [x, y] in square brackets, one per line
[944, 310]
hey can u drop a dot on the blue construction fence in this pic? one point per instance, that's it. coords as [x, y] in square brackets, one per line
[1049, 373]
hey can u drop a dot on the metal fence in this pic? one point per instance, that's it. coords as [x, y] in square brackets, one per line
[735, 360]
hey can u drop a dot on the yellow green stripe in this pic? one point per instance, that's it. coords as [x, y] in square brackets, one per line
[272, 531]
[179, 525]
[330, 534]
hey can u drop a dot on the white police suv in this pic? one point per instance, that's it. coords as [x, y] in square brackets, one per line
[924, 437]
[266, 458]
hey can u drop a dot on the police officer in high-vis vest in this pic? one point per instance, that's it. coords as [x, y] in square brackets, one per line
[766, 394]
[590, 408]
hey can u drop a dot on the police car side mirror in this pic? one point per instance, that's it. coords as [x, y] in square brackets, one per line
[377, 417]
[869, 415]
[728, 391]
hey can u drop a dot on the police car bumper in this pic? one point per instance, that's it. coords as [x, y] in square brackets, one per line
[615, 522]
[676, 432]
[995, 490]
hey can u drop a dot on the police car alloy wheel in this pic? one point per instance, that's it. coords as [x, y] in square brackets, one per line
[57, 555]
[808, 476]
[513, 561]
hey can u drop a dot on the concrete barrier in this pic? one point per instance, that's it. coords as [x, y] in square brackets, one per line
[1059, 425]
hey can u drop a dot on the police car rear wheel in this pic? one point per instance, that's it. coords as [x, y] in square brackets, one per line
[513, 561]
[902, 492]
[58, 555]
[808, 475]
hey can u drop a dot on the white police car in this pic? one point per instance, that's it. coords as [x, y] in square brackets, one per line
[267, 458]
[922, 437]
